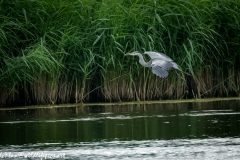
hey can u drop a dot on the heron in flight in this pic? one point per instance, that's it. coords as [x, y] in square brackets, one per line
[159, 62]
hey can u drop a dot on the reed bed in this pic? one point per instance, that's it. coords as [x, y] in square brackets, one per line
[73, 51]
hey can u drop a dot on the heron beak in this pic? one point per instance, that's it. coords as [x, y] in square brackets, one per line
[128, 54]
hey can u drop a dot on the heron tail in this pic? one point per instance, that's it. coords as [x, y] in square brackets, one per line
[175, 65]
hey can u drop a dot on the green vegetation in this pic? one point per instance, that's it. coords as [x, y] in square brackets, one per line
[73, 51]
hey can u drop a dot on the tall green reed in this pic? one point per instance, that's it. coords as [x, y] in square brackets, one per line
[73, 51]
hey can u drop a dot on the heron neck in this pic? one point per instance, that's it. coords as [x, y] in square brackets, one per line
[142, 61]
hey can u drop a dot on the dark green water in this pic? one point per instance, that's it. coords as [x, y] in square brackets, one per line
[209, 130]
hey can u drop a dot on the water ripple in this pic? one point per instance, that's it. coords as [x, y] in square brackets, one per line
[216, 148]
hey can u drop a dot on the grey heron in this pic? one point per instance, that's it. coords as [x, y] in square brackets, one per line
[159, 62]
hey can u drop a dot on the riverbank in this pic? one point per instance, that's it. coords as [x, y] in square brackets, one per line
[121, 103]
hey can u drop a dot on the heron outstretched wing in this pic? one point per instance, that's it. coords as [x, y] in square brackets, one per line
[157, 55]
[161, 72]
[166, 65]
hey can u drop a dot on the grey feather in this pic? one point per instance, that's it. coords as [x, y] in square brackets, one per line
[157, 55]
[163, 64]
[160, 71]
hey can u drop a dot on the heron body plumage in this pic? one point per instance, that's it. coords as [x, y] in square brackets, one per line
[157, 55]
[159, 62]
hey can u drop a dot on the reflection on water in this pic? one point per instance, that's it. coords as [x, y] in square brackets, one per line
[188, 130]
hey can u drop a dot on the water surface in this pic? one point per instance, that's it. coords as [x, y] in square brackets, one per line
[208, 130]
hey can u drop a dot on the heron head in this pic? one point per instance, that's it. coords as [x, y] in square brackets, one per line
[132, 53]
